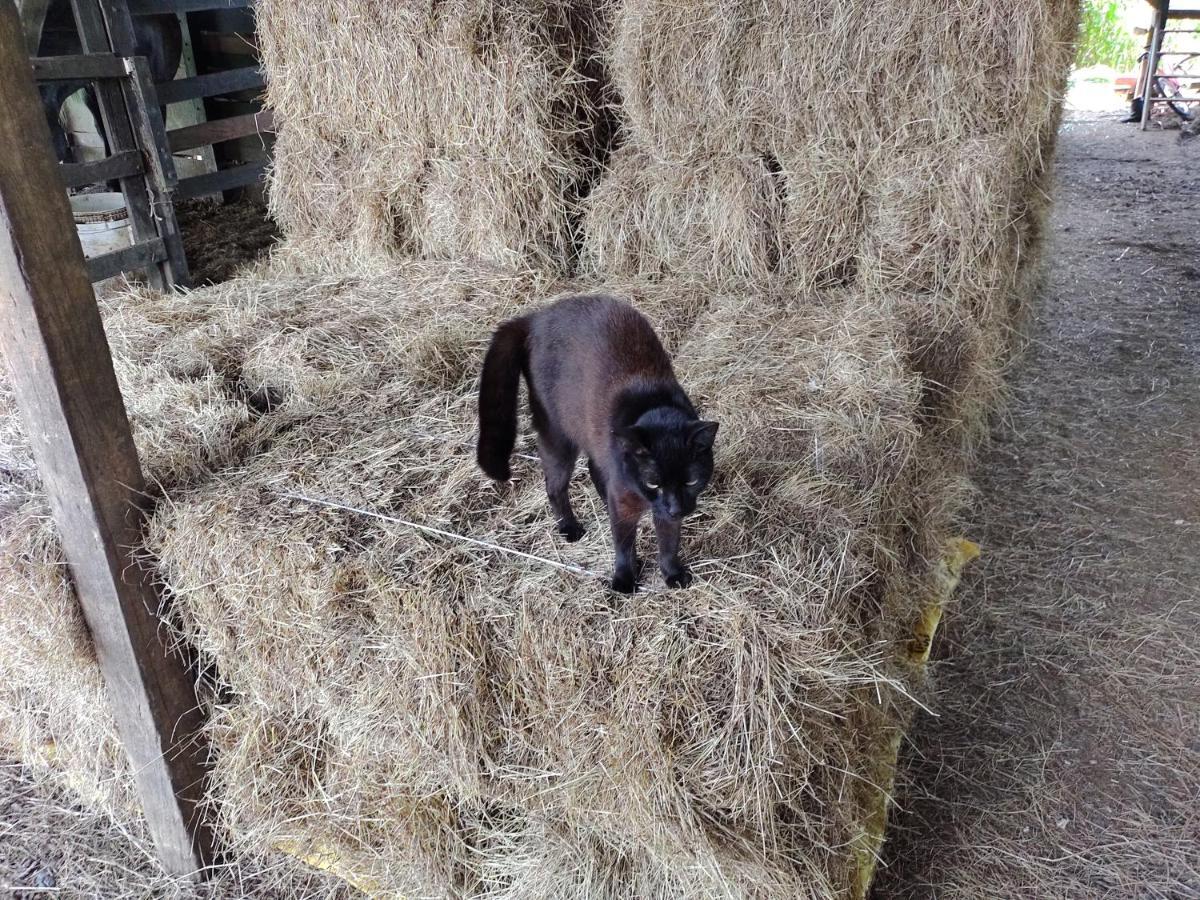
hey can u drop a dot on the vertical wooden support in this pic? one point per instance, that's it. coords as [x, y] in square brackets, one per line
[33, 19]
[52, 336]
[1142, 89]
[1161, 13]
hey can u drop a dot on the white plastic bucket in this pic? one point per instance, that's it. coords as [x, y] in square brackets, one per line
[102, 222]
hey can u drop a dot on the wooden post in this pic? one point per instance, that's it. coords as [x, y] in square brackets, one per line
[1161, 13]
[52, 336]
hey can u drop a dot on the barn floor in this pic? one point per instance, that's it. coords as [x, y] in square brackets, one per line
[221, 238]
[1066, 758]
[1065, 761]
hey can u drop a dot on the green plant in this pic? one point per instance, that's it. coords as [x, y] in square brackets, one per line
[1103, 39]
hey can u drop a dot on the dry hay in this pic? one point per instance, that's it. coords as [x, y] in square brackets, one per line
[53, 706]
[209, 378]
[651, 218]
[577, 747]
[854, 109]
[450, 717]
[724, 76]
[447, 130]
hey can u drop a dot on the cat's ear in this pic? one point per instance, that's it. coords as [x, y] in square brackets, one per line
[632, 440]
[702, 435]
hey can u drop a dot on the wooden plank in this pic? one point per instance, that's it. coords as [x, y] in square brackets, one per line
[147, 121]
[224, 180]
[64, 383]
[119, 165]
[217, 130]
[135, 258]
[93, 35]
[1156, 39]
[33, 22]
[80, 67]
[244, 79]
[154, 7]
[146, 116]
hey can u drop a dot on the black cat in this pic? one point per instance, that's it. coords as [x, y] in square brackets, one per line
[600, 382]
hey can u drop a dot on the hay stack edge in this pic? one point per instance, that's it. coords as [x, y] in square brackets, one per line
[833, 214]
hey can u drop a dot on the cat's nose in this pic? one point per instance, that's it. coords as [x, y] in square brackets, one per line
[675, 508]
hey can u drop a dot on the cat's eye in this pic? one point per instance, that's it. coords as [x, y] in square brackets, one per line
[693, 482]
[653, 487]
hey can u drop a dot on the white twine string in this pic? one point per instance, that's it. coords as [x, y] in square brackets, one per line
[428, 529]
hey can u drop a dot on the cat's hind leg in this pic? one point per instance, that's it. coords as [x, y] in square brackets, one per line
[558, 457]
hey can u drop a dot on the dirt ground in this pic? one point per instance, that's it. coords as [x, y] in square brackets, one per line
[1064, 761]
[1065, 758]
[220, 238]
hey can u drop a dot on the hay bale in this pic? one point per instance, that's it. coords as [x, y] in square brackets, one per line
[944, 221]
[459, 133]
[449, 715]
[650, 218]
[460, 220]
[901, 141]
[209, 379]
[823, 183]
[54, 712]
[725, 76]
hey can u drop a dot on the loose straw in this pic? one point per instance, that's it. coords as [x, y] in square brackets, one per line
[428, 529]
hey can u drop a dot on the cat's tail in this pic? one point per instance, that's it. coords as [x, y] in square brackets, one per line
[498, 386]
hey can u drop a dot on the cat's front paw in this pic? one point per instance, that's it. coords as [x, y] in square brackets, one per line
[680, 579]
[571, 531]
[624, 582]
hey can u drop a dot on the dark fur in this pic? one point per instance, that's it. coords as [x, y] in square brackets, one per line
[600, 382]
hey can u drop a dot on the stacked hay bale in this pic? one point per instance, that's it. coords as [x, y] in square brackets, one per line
[900, 150]
[448, 717]
[431, 129]
[210, 379]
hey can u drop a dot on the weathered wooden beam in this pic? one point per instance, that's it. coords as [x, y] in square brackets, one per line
[224, 180]
[62, 372]
[128, 259]
[80, 67]
[227, 82]
[155, 7]
[216, 130]
[119, 165]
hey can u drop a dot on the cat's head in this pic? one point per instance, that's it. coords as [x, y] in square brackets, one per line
[670, 461]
